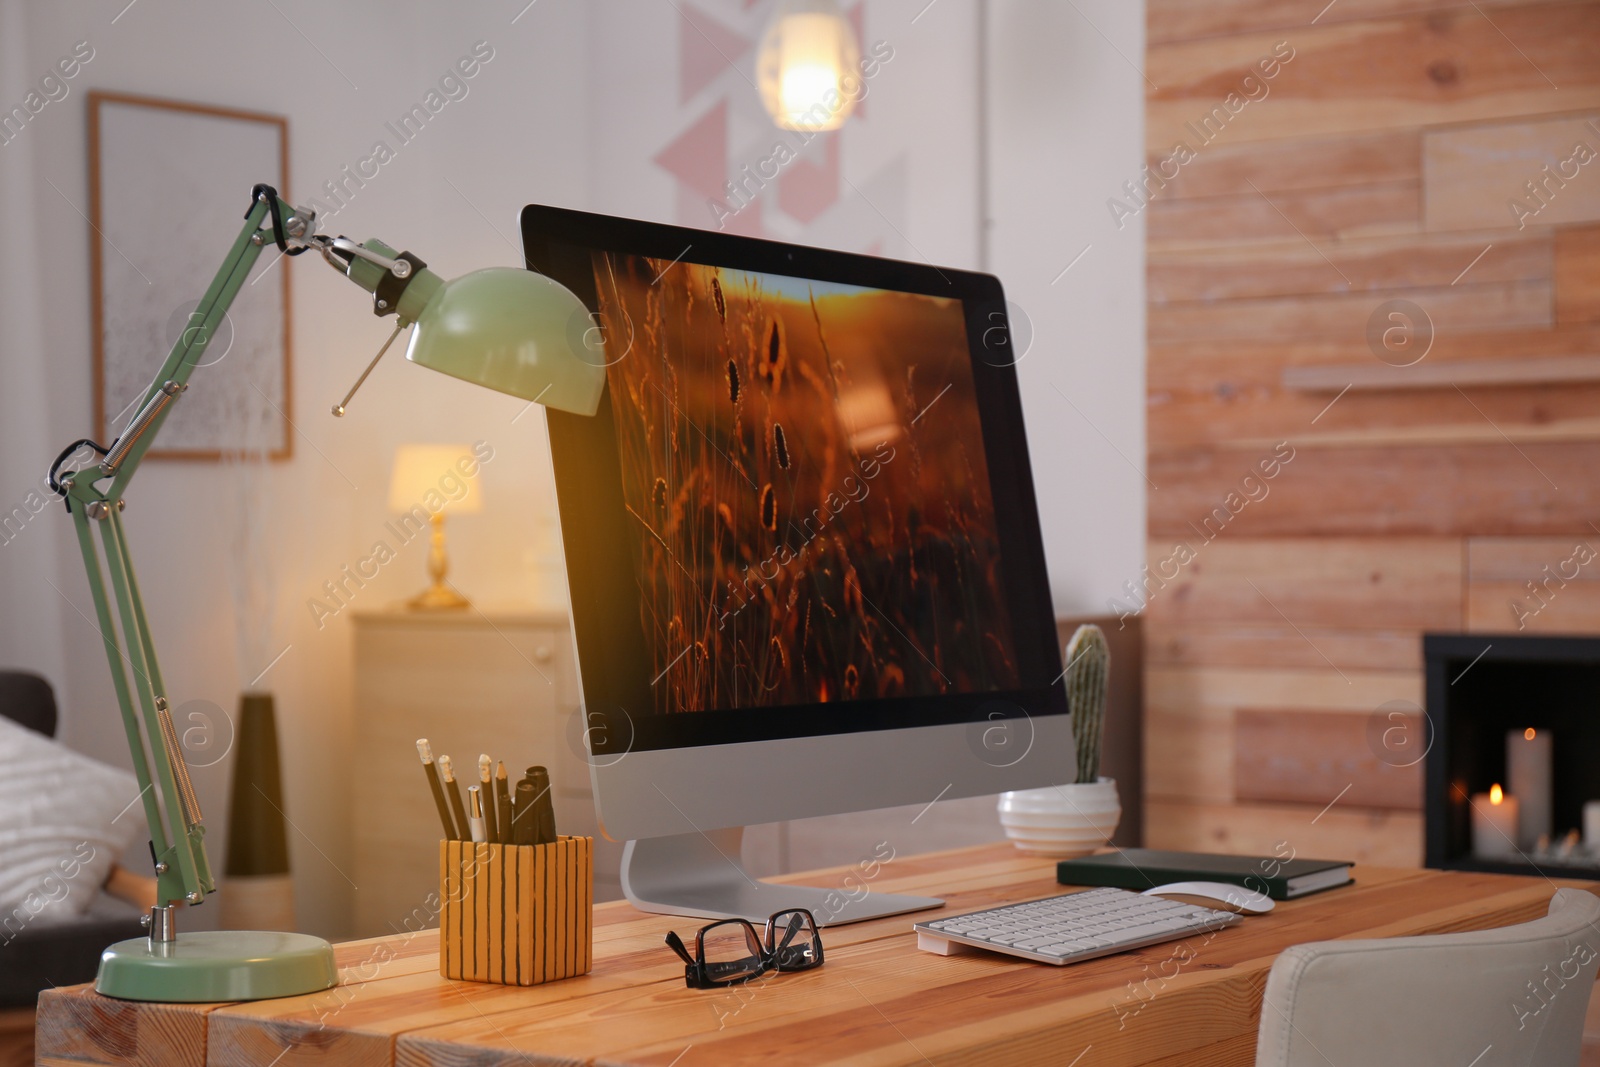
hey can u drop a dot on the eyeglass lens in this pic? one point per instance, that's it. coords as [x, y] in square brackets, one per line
[793, 941]
[731, 951]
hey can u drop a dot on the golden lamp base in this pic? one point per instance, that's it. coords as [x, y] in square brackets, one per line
[440, 596]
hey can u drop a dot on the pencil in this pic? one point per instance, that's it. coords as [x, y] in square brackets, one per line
[475, 820]
[452, 790]
[425, 750]
[502, 803]
[491, 824]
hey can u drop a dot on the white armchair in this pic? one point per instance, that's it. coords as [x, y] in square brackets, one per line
[1511, 997]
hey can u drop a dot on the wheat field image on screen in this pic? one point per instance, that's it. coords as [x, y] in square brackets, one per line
[805, 480]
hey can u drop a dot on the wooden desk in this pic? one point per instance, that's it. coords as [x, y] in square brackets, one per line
[877, 1000]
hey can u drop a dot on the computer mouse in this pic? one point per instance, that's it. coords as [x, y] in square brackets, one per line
[1235, 896]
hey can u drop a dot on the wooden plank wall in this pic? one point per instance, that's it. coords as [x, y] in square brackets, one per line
[1316, 505]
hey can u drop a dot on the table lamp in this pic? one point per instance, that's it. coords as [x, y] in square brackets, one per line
[423, 477]
[510, 330]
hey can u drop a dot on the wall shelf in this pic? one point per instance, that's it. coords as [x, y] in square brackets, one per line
[1373, 376]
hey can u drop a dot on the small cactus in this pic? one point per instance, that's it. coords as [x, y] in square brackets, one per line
[1088, 666]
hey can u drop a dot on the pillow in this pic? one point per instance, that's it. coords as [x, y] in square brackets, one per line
[64, 820]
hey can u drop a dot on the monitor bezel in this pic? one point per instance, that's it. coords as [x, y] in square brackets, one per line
[559, 242]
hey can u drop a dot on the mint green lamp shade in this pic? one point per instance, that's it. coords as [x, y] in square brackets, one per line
[515, 332]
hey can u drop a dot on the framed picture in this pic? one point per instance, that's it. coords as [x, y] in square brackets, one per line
[169, 186]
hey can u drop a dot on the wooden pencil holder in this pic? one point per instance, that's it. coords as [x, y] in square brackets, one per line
[516, 914]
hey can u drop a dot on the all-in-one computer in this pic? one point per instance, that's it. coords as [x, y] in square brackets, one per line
[802, 546]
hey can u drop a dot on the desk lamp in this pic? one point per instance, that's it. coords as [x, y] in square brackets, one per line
[510, 330]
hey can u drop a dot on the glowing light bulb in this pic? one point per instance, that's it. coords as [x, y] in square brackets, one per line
[802, 85]
[808, 66]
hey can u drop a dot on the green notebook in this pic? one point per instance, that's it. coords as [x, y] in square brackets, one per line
[1144, 868]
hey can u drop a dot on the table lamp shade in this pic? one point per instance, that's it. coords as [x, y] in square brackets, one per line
[435, 478]
[515, 332]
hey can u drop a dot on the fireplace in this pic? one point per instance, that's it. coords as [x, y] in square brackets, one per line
[1488, 692]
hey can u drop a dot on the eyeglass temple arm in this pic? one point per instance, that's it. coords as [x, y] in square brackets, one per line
[793, 928]
[675, 943]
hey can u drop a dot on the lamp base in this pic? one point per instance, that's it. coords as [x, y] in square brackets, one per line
[438, 597]
[217, 965]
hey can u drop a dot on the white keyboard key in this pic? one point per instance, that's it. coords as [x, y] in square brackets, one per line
[1065, 948]
[1139, 933]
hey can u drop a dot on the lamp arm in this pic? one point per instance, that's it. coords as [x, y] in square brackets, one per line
[177, 832]
[172, 811]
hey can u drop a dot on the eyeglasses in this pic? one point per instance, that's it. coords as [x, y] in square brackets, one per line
[730, 951]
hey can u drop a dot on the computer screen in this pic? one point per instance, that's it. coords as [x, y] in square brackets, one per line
[804, 473]
[805, 506]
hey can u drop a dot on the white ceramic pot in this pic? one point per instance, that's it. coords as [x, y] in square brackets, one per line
[1062, 821]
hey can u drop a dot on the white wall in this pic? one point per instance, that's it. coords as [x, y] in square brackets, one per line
[573, 109]
[1066, 111]
[30, 612]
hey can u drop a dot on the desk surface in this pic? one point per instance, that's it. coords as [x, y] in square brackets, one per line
[877, 1000]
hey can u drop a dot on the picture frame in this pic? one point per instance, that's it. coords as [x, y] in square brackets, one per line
[160, 225]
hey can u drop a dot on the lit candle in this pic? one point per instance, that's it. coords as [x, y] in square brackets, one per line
[1528, 779]
[1494, 825]
[1591, 825]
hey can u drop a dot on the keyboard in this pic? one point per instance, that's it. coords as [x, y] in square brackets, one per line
[1073, 927]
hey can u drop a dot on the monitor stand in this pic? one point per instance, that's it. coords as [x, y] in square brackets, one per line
[700, 875]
